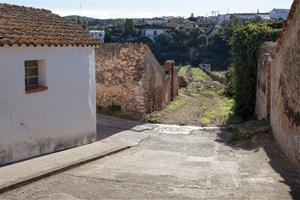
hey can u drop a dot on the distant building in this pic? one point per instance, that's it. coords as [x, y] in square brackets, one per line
[251, 16]
[246, 16]
[156, 21]
[98, 34]
[243, 16]
[153, 32]
[279, 14]
[265, 16]
[182, 23]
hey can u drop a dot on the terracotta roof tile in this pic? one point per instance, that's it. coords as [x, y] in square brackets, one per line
[30, 26]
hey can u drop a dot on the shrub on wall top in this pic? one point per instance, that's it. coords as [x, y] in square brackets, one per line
[245, 43]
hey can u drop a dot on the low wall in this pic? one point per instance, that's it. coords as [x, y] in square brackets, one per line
[129, 76]
[153, 84]
[119, 76]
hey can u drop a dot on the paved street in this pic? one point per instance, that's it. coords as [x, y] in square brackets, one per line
[176, 163]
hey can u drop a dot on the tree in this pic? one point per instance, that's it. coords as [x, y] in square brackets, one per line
[83, 22]
[192, 18]
[129, 27]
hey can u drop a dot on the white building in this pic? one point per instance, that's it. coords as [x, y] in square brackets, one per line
[98, 34]
[47, 84]
[153, 33]
[279, 14]
[264, 16]
[243, 17]
[156, 21]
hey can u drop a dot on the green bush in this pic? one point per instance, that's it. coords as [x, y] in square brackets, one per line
[245, 43]
[230, 82]
[153, 118]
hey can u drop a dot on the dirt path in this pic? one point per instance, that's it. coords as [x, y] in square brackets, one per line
[202, 103]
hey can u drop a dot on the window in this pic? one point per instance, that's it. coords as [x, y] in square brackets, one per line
[32, 76]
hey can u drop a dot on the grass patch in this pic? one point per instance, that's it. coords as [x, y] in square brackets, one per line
[209, 94]
[183, 71]
[227, 111]
[153, 118]
[198, 75]
[200, 91]
[208, 117]
[219, 109]
[176, 104]
[219, 74]
[203, 100]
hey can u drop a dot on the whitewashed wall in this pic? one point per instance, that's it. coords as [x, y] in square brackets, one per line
[64, 116]
[150, 33]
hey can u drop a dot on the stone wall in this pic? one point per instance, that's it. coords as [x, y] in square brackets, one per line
[119, 70]
[153, 84]
[129, 76]
[263, 91]
[285, 88]
[285, 101]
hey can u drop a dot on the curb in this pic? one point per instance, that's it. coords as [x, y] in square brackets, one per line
[37, 177]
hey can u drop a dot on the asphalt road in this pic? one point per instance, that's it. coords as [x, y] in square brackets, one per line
[176, 163]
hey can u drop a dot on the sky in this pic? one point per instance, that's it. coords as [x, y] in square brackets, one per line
[106, 9]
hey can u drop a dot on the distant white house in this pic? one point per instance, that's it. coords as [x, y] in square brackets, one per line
[279, 14]
[98, 34]
[153, 33]
[275, 14]
[47, 84]
[265, 16]
[156, 21]
[241, 16]
[246, 16]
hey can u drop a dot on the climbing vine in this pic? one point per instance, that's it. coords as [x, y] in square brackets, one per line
[245, 43]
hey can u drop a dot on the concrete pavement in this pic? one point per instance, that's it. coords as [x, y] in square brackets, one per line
[173, 162]
[27, 171]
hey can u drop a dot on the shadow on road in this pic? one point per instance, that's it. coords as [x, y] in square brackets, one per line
[277, 160]
[108, 126]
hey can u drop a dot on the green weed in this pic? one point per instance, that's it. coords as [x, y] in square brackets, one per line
[176, 104]
[153, 118]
